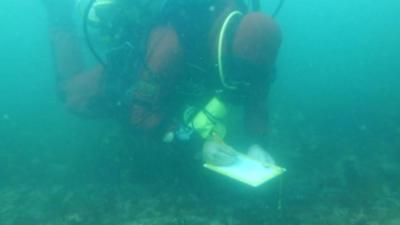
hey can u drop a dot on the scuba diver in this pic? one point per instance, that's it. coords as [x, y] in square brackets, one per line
[170, 69]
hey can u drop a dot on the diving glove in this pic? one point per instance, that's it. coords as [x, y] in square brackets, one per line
[258, 153]
[218, 153]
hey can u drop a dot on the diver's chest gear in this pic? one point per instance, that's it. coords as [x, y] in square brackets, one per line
[205, 122]
[123, 64]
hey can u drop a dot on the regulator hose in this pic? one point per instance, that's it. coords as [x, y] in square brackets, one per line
[256, 6]
[278, 8]
[86, 33]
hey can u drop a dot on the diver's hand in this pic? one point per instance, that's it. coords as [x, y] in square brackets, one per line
[219, 153]
[258, 153]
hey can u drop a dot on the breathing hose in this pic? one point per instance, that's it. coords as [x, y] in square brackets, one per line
[278, 8]
[221, 38]
[256, 6]
[86, 33]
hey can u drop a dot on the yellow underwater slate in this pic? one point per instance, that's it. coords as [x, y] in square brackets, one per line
[248, 171]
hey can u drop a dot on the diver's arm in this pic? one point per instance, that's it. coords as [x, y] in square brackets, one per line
[64, 40]
[257, 41]
[256, 116]
[67, 53]
[76, 84]
[153, 91]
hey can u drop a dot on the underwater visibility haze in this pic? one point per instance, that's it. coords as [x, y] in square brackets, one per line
[334, 124]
